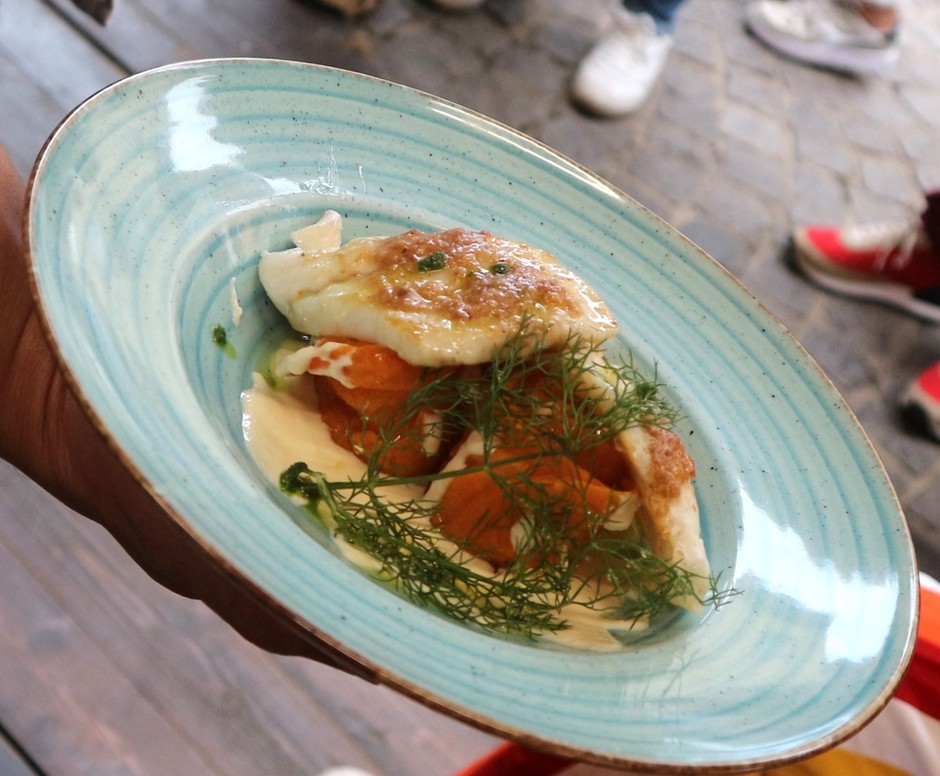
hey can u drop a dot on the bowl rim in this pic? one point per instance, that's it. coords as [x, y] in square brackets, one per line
[330, 649]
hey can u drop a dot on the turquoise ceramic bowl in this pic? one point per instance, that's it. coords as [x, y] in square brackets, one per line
[150, 204]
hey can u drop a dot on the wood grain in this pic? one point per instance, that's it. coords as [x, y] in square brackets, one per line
[102, 670]
[13, 762]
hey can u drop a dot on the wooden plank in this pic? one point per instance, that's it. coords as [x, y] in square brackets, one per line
[142, 34]
[64, 65]
[397, 734]
[35, 115]
[186, 663]
[59, 696]
[134, 36]
[175, 676]
[99, 10]
[12, 761]
[45, 70]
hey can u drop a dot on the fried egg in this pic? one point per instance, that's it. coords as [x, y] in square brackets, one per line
[437, 299]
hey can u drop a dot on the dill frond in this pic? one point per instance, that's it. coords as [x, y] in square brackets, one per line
[546, 406]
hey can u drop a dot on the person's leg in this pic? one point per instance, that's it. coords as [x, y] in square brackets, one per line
[858, 36]
[662, 11]
[897, 263]
[894, 263]
[619, 72]
[920, 404]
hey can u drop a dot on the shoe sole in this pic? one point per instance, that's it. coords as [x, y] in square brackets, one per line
[917, 419]
[892, 294]
[872, 62]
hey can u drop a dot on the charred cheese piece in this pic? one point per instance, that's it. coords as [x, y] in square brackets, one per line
[663, 472]
[437, 299]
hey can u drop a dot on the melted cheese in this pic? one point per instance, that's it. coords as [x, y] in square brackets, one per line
[384, 290]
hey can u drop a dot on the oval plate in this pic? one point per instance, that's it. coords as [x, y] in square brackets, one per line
[148, 208]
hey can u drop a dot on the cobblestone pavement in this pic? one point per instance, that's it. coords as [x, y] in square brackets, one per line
[735, 147]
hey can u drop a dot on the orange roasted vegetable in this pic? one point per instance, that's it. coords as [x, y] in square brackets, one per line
[479, 509]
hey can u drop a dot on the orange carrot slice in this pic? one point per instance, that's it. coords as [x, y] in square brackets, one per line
[365, 365]
[407, 454]
[479, 509]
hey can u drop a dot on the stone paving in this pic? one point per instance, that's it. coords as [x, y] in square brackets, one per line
[735, 146]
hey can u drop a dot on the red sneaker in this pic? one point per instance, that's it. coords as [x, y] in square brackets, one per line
[890, 263]
[921, 402]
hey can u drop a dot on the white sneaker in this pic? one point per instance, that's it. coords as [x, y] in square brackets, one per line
[830, 33]
[457, 5]
[618, 74]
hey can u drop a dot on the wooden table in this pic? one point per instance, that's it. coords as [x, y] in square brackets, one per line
[102, 671]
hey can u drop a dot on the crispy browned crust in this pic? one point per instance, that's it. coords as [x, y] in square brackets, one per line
[663, 472]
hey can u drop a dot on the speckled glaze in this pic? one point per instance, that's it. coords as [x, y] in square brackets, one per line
[148, 208]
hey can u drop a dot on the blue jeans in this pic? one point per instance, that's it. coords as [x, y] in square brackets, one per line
[662, 11]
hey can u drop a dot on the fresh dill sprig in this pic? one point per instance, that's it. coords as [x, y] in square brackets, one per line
[410, 556]
[546, 407]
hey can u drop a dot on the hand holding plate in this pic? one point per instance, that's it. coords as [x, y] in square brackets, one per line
[45, 432]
